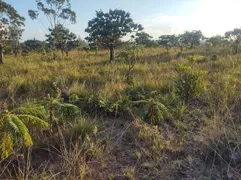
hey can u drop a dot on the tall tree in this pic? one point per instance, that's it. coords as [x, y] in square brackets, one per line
[234, 35]
[179, 42]
[8, 17]
[15, 34]
[192, 38]
[143, 38]
[167, 41]
[215, 40]
[56, 11]
[107, 29]
[33, 45]
[61, 38]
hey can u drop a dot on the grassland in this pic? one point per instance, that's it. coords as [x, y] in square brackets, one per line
[111, 136]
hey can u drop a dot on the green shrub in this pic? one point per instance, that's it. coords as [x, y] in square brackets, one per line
[157, 113]
[188, 82]
[191, 59]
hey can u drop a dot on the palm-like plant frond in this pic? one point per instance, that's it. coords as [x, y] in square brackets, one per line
[32, 121]
[39, 111]
[6, 144]
[66, 110]
[14, 128]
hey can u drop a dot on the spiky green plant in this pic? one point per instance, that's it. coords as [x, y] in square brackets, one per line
[14, 128]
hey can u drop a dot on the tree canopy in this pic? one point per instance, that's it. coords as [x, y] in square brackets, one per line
[9, 20]
[234, 35]
[167, 40]
[143, 39]
[61, 38]
[8, 16]
[56, 11]
[108, 28]
[191, 38]
[215, 40]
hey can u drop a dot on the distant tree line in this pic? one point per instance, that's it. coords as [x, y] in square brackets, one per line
[106, 30]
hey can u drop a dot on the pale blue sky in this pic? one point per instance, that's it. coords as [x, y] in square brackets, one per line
[158, 17]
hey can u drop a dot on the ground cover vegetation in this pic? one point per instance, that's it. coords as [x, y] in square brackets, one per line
[114, 109]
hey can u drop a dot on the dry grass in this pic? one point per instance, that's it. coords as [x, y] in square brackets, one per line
[201, 142]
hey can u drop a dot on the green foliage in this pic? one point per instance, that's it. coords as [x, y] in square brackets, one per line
[215, 40]
[34, 45]
[143, 38]
[131, 56]
[90, 104]
[107, 29]
[188, 82]
[37, 111]
[86, 48]
[192, 38]
[150, 137]
[10, 23]
[191, 59]
[234, 35]
[167, 41]
[155, 114]
[14, 131]
[14, 35]
[66, 110]
[83, 127]
[62, 39]
[8, 16]
[58, 110]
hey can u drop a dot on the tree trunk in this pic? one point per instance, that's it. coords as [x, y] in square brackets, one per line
[112, 55]
[191, 46]
[15, 53]
[67, 53]
[181, 48]
[1, 54]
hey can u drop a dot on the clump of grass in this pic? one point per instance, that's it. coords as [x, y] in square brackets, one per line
[83, 127]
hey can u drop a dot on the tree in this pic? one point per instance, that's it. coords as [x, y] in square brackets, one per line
[167, 41]
[107, 29]
[191, 38]
[56, 11]
[179, 42]
[15, 34]
[234, 35]
[215, 40]
[143, 38]
[61, 38]
[33, 45]
[8, 17]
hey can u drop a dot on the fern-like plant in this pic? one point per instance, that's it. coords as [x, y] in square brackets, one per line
[14, 128]
[60, 110]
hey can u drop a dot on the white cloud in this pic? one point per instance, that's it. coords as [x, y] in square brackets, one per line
[211, 17]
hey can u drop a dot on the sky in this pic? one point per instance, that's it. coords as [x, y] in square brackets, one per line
[158, 17]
